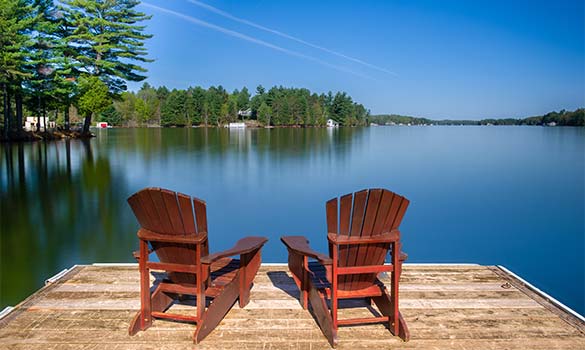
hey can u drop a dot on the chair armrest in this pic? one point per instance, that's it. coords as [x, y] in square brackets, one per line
[389, 237]
[300, 245]
[243, 246]
[194, 238]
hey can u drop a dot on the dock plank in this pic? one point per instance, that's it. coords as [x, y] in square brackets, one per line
[445, 306]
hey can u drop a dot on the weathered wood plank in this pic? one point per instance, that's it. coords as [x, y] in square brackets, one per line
[446, 307]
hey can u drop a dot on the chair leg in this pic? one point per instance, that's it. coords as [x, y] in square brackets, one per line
[396, 326]
[217, 310]
[322, 315]
[143, 319]
[135, 326]
[249, 265]
[299, 274]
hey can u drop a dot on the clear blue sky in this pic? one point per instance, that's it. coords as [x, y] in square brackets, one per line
[439, 59]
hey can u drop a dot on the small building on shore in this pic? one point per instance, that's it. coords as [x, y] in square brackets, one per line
[30, 124]
[245, 113]
[332, 123]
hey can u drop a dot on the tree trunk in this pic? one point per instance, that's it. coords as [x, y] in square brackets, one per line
[66, 117]
[39, 113]
[6, 110]
[44, 117]
[18, 99]
[86, 124]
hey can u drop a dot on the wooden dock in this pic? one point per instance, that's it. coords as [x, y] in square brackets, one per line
[445, 306]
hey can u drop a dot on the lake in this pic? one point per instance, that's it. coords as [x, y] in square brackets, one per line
[511, 196]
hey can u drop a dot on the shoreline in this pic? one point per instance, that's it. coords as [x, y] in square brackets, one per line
[53, 135]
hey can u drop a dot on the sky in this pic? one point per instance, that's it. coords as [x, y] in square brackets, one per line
[436, 59]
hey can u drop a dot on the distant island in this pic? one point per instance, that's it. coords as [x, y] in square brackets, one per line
[561, 118]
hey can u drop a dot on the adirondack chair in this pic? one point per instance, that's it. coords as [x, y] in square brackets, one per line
[362, 230]
[175, 227]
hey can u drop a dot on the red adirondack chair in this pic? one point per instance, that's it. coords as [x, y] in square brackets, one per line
[362, 229]
[176, 228]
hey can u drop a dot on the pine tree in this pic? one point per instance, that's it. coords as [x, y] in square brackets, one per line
[16, 22]
[264, 113]
[106, 41]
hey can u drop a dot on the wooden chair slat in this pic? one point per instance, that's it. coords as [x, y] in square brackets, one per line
[383, 209]
[161, 210]
[174, 214]
[393, 219]
[331, 210]
[400, 214]
[186, 213]
[332, 220]
[372, 207]
[200, 214]
[358, 212]
[345, 206]
[392, 213]
[138, 209]
[152, 220]
[357, 220]
[345, 214]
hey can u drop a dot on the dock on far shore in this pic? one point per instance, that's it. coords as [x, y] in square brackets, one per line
[463, 306]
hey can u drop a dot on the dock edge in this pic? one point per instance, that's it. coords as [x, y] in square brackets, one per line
[542, 294]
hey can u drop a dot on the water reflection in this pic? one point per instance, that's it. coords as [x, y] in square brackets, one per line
[60, 205]
[159, 142]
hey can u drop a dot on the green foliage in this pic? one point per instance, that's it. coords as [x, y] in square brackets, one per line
[174, 109]
[264, 113]
[216, 97]
[16, 24]
[278, 106]
[127, 106]
[111, 116]
[94, 95]
[147, 105]
[243, 99]
[561, 118]
[105, 39]
[196, 105]
[48, 48]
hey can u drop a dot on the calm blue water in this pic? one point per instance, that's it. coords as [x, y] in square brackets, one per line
[511, 196]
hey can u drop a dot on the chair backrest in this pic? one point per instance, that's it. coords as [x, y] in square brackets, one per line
[174, 214]
[363, 214]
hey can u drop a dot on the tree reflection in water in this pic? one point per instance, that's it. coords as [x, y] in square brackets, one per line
[60, 206]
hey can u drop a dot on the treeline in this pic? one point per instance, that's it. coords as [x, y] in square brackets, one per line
[561, 118]
[278, 106]
[57, 54]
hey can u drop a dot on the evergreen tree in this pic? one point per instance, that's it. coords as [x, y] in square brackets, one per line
[16, 23]
[94, 97]
[243, 99]
[264, 113]
[127, 107]
[106, 41]
[147, 105]
[196, 104]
